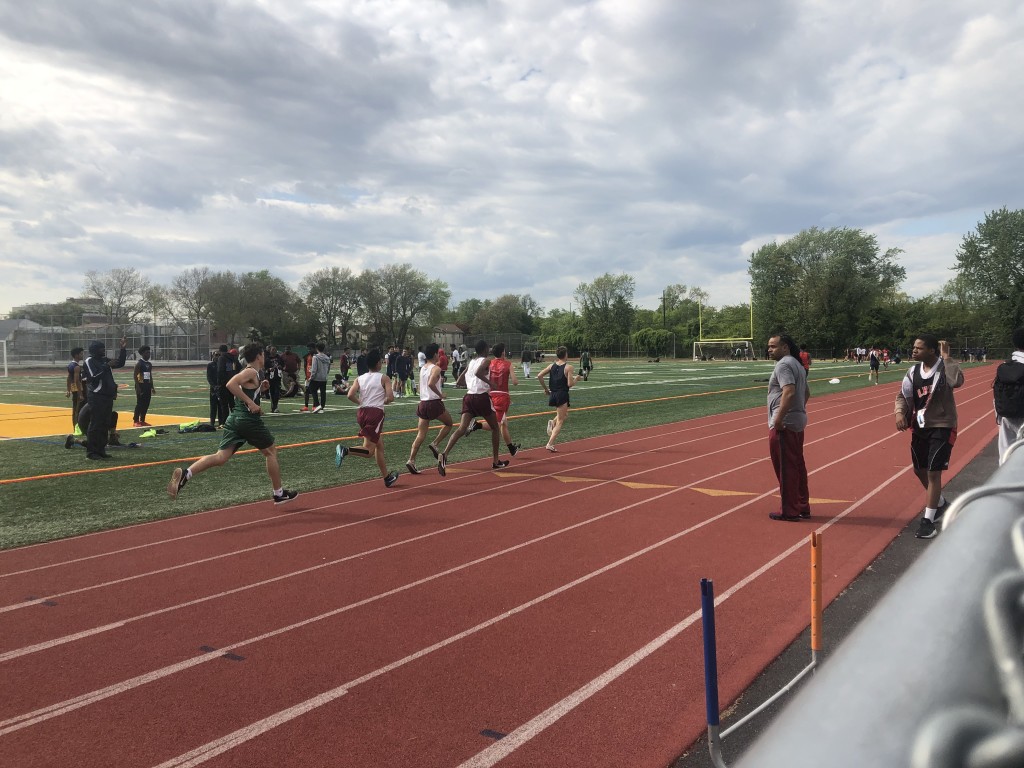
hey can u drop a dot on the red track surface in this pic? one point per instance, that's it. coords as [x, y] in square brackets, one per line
[552, 603]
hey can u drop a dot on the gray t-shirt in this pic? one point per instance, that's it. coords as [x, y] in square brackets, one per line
[787, 371]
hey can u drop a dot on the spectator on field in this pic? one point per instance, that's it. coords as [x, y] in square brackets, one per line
[144, 388]
[318, 372]
[74, 385]
[102, 391]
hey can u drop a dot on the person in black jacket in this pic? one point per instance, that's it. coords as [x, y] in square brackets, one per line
[211, 379]
[102, 391]
[227, 367]
[144, 388]
[273, 366]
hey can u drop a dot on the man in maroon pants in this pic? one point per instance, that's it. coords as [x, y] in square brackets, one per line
[787, 417]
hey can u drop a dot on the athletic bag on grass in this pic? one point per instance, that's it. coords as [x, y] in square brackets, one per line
[1008, 389]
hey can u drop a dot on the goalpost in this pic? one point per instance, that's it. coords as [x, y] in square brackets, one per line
[740, 348]
[723, 349]
[3, 350]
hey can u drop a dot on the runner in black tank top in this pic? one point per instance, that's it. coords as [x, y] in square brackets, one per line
[560, 380]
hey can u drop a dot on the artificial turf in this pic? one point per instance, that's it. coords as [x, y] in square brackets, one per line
[48, 492]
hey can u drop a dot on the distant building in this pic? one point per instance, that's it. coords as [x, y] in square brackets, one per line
[447, 334]
[9, 327]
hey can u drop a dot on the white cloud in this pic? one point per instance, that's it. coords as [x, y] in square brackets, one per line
[502, 146]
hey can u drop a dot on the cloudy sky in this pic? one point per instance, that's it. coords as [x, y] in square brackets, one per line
[505, 146]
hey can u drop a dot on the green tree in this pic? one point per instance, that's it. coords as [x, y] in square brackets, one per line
[653, 340]
[990, 262]
[397, 299]
[561, 327]
[331, 298]
[819, 284]
[510, 313]
[606, 306]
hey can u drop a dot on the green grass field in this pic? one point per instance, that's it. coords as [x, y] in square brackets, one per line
[54, 494]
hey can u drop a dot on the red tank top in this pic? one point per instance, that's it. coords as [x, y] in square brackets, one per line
[499, 371]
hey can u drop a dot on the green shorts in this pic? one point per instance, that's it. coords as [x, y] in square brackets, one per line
[240, 429]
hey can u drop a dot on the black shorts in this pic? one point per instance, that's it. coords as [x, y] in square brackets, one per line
[558, 398]
[930, 449]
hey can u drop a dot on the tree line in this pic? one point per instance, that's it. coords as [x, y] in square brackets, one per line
[830, 289]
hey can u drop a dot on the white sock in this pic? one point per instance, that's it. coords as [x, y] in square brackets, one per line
[929, 514]
[188, 474]
[279, 491]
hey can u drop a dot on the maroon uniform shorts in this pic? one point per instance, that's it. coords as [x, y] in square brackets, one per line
[477, 405]
[430, 409]
[371, 422]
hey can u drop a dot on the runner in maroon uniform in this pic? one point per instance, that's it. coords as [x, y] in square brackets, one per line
[431, 407]
[371, 392]
[475, 404]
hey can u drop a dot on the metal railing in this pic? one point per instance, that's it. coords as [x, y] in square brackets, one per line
[933, 677]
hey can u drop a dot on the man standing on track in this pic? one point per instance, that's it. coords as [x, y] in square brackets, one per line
[787, 418]
[926, 405]
[476, 403]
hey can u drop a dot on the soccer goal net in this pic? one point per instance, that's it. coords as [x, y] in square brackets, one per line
[724, 349]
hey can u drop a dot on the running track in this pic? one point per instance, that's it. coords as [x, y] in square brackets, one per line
[543, 616]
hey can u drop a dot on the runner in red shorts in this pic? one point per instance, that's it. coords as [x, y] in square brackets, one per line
[475, 404]
[501, 375]
[371, 392]
[431, 407]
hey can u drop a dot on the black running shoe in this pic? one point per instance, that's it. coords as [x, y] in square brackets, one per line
[477, 425]
[441, 465]
[69, 442]
[433, 450]
[391, 479]
[285, 496]
[941, 510]
[412, 468]
[513, 448]
[926, 529]
[500, 464]
[178, 479]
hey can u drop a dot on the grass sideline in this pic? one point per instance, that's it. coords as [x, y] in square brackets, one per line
[49, 492]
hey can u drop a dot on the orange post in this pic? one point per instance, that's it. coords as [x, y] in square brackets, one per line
[815, 592]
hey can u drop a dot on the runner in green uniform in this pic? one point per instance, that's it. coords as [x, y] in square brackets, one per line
[243, 425]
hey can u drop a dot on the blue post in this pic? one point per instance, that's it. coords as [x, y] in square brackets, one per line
[707, 607]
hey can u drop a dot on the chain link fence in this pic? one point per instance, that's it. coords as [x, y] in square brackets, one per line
[51, 346]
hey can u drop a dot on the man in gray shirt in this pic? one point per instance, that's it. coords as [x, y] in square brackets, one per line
[787, 417]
